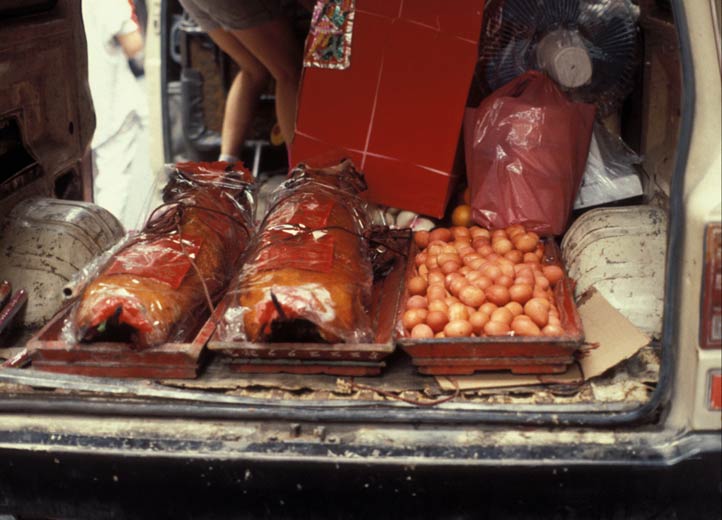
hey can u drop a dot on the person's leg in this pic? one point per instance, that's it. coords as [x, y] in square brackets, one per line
[243, 95]
[275, 46]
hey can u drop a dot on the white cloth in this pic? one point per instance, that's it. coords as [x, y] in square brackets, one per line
[122, 174]
[125, 187]
[116, 92]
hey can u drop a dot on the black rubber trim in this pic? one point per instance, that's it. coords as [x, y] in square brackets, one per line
[675, 236]
[165, 109]
[648, 412]
[377, 414]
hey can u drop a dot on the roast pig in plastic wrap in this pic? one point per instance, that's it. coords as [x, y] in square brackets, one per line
[526, 148]
[160, 284]
[308, 275]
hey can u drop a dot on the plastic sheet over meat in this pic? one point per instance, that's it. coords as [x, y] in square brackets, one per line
[162, 282]
[308, 276]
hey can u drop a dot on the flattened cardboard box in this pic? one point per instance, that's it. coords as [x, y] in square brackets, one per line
[396, 111]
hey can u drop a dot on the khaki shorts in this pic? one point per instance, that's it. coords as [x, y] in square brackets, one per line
[232, 14]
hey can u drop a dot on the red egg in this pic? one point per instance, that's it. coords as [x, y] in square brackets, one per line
[538, 310]
[437, 320]
[450, 267]
[471, 296]
[423, 272]
[504, 280]
[506, 267]
[521, 292]
[432, 262]
[436, 292]
[553, 330]
[514, 230]
[484, 250]
[438, 305]
[502, 314]
[417, 285]
[498, 295]
[435, 249]
[526, 243]
[436, 276]
[531, 258]
[458, 329]
[451, 300]
[465, 249]
[421, 238]
[448, 257]
[488, 307]
[440, 234]
[491, 271]
[471, 257]
[554, 273]
[451, 277]
[417, 302]
[422, 331]
[460, 232]
[515, 308]
[413, 317]
[496, 328]
[478, 319]
[477, 264]
[524, 327]
[541, 282]
[473, 275]
[502, 246]
[456, 286]
[479, 232]
[515, 256]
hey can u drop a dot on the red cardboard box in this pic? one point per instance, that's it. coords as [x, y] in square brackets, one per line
[397, 109]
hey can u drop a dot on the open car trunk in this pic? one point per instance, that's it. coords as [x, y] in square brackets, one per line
[632, 389]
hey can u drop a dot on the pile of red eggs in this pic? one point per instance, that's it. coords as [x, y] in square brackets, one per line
[469, 281]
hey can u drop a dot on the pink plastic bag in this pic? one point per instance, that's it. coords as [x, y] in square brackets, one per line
[526, 148]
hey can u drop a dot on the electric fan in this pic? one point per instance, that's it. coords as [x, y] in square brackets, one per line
[589, 47]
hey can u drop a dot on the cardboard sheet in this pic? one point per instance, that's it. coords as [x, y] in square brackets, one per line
[508, 380]
[616, 337]
[611, 338]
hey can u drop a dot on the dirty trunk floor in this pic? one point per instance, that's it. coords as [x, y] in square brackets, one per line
[631, 381]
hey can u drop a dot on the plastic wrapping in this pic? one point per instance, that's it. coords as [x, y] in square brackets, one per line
[329, 41]
[160, 284]
[309, 274]
[526, 148]
[610, 175]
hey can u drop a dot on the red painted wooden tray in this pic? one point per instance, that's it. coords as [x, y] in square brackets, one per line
[114, 359]
[288, 366]
[324, 358]
[520, 355]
